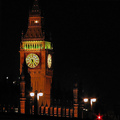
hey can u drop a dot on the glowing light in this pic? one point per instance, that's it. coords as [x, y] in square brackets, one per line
[32, 94]
[85, 100]
[48, 45]
[85, 109]
[32, 60]
[93, 100]
[14, 82]
[16, 110]
[6, 111]
[49, 60]
[36, 21]
[6, 77]
[38, 95]
[99, 117]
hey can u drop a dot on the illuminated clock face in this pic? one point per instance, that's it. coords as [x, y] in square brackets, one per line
[49, 61]
[32, 60]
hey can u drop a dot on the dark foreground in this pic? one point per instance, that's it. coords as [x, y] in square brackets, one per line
[13, 116]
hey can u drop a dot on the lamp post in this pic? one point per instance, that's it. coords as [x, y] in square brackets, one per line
[32, 94]
[85, 100]
[91, 101]
[36, 96]
[35, 104]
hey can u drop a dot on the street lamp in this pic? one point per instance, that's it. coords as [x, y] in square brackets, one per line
[85, 100]
[91, 101]
[36, 96]
[32, 94]
[39, 95]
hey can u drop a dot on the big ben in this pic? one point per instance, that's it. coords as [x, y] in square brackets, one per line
[36, 53]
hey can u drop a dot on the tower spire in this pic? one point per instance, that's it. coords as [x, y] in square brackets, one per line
[35, 9]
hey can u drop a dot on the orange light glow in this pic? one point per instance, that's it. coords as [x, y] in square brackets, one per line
[85, 99]
[36, 21]
[39, 95]
[32, 94]
[93, 100]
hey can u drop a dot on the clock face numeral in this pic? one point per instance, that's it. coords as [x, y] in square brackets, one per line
[49, 60]
[32, 60]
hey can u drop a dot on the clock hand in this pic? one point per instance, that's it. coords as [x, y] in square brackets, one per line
[32, 60]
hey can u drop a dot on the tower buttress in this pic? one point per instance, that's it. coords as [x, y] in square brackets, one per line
[75, 100]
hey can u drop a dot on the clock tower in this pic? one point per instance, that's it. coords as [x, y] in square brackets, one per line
[36, 52]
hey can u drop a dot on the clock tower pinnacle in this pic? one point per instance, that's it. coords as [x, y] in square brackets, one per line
[35, 9]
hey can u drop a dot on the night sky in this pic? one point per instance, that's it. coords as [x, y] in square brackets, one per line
[85, 37]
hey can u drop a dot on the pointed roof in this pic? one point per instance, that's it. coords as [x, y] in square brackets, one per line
[42, 104]
[35, 30]
[34, 33]
[35, 9]
[24, 70]
[46, 105]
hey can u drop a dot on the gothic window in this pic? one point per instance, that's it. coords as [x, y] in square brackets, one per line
[41, 46]
[32, 22]
[38, 46]
[30, 45]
